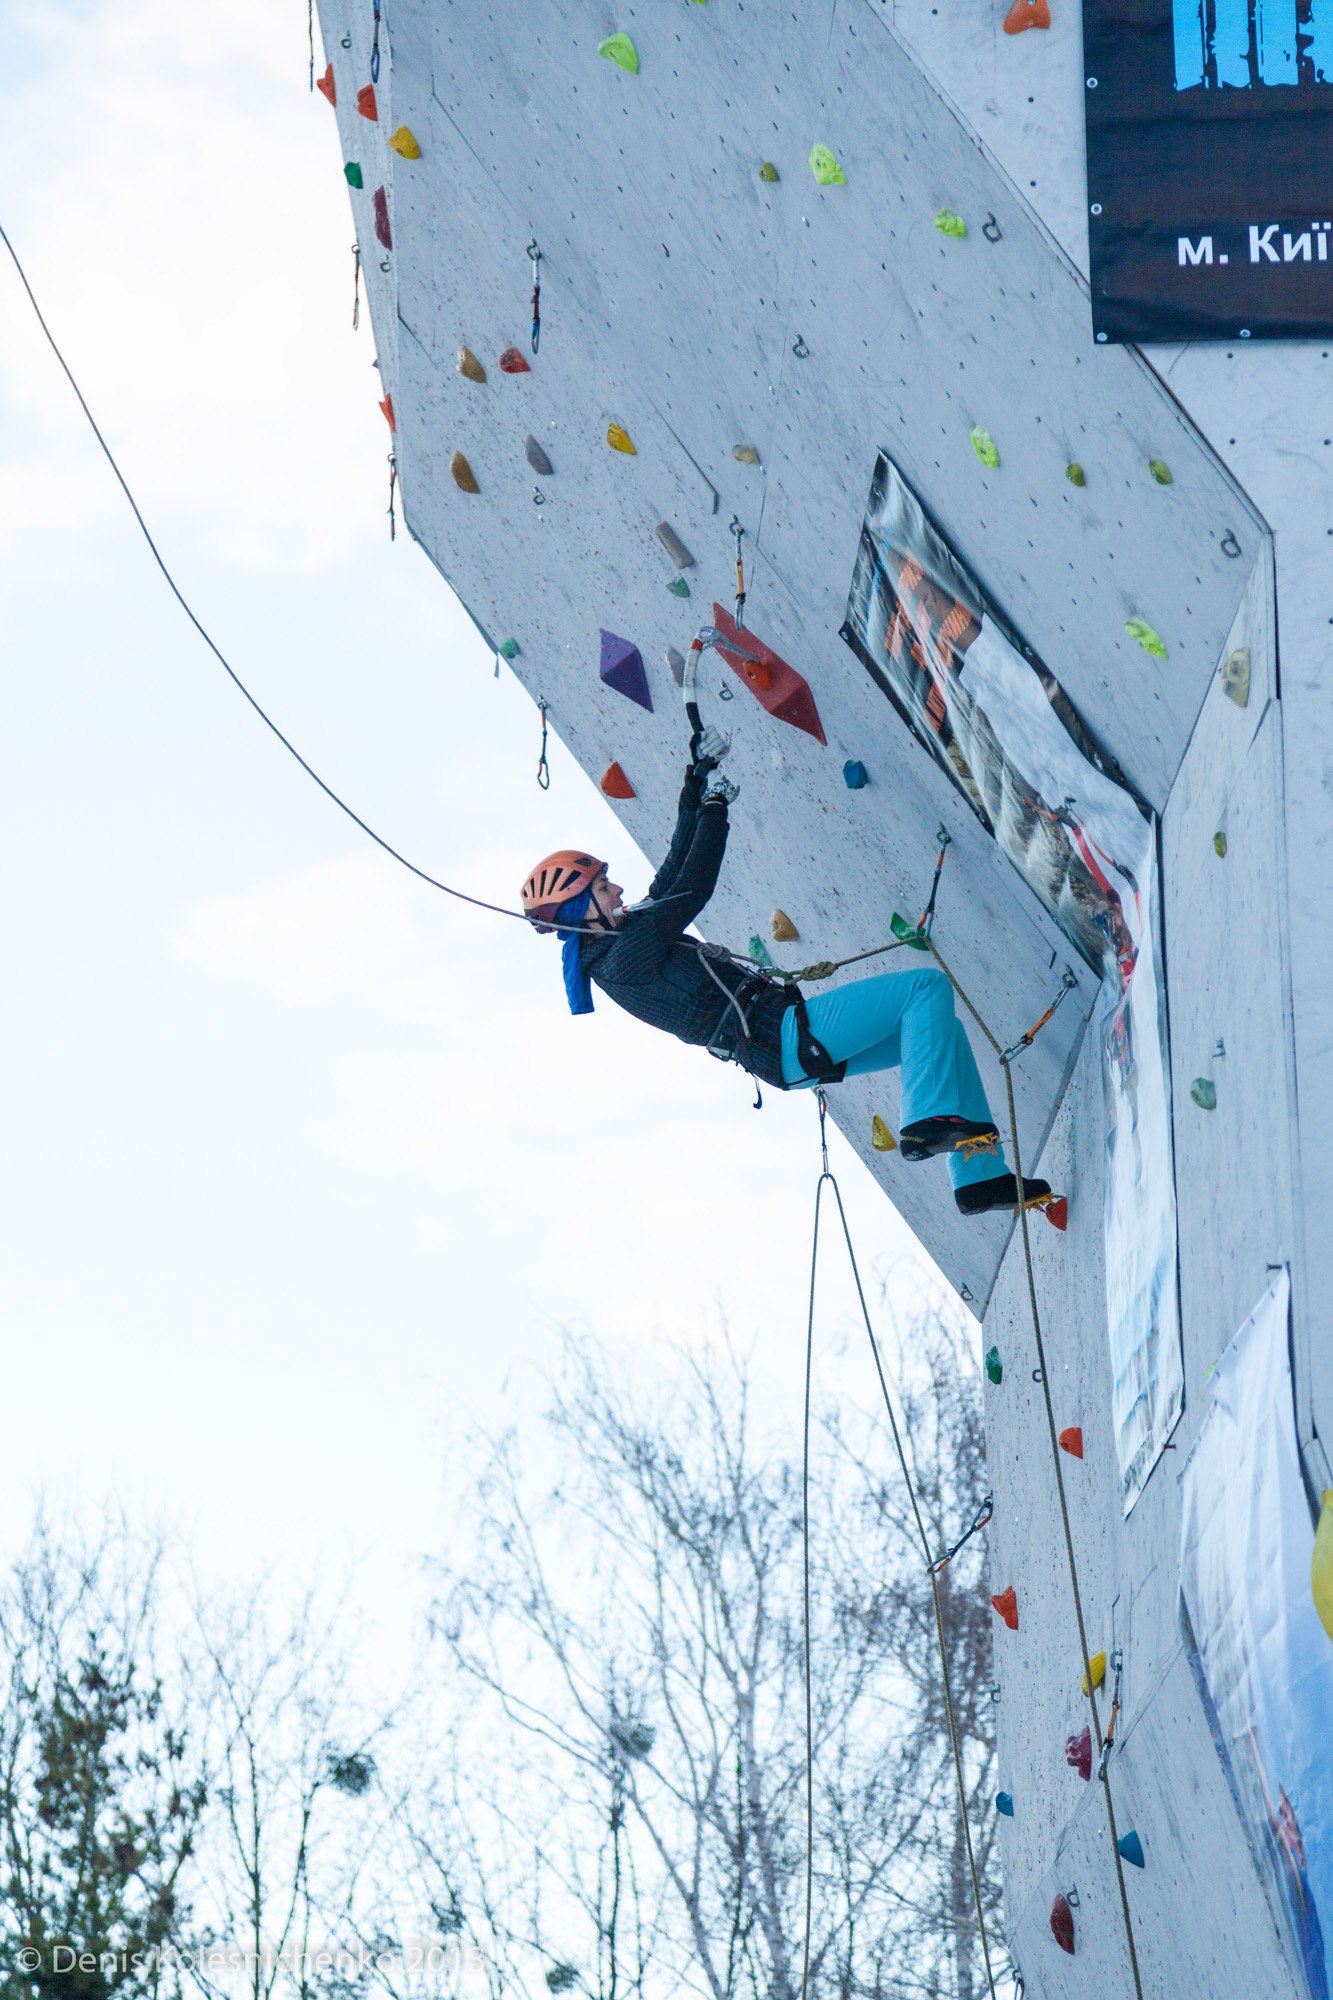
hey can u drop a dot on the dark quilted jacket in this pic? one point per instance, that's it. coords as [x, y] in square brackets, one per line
[651, 969]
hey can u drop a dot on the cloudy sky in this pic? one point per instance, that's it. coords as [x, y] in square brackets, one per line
[303, 1165]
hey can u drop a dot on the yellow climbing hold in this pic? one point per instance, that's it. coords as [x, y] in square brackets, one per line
[985, 447]
[404, 143]
[768, 172]
[1321, 1564]
[619, 440]
[1075, 474]
[1236, 676]
[469, 365]
[949, 224]
[747, 453]
[881, 1138]
[1151, 641]
[620, 49]
[464, 476]
[782, 927]
[824, 166]
[1097, 1667]
[1160, 471]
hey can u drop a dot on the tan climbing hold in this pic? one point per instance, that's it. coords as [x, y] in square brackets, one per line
[469, 365]
[881, 1138]
[1236, 677]
[464, 476]
[747, 453]
[619, 440]
[783, 929]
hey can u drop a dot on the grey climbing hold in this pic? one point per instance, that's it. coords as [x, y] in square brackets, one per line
[674, 546]
[536, 457]
[676, 664]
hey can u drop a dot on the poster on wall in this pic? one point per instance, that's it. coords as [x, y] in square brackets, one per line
[1264, 1658]
[1001, 727]
[1210, 168]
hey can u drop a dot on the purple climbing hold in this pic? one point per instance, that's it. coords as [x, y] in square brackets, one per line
[382, 219]
[1078, 1753]
[622, 669]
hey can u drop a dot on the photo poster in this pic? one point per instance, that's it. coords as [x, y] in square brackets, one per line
[1263, 1656]
[998, 723]
[1210, 168]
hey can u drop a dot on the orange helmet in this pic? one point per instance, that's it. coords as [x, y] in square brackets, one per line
[562, 875]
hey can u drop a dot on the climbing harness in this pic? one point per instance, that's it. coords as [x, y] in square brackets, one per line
[543, 768]
[393, 481]
[356, 286]
[536, 257]
[932, 1569]
[375, 47]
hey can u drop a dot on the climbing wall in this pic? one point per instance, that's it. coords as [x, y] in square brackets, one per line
[775, 242]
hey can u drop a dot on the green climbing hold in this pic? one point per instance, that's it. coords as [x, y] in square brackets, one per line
[759, 952]
[949, 224]
[620, 49]
[678, 587]
[508, 649]
[1075, 474]
[906, 933]
[1151, 642]
[994, 1366]
[824, 166]
[1204, 1093]
[768, 172]
[985, 447]
[1220, 845]
[1160, 471]
[352, 172]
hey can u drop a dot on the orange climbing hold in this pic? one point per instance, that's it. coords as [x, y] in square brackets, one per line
[1071, 1441]
[366, 105]
[1027, 14]
[464, 476]
[514, 363]
[387, 407]
[615, 784]
[784, 693]
[1006, 1604]
[1062, 1924]
[326, 84]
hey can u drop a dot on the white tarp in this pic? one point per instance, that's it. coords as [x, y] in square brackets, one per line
[1265, 1658]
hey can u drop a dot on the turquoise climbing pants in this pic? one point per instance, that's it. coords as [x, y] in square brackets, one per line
[902, 1020]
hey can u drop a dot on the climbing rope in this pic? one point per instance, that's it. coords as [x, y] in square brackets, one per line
[1005, 1057]
[932, 1567]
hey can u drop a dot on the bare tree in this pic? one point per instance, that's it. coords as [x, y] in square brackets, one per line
[633, 1638]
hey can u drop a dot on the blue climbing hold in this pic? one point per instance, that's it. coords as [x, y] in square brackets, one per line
[1004, 1804]
[622, 669]
[1131, 1849]
[854, 775]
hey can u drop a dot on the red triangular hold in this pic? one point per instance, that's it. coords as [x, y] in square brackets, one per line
[1071, 1441]
[774, 685]
[616, 785]
[1062, 1924]
[366, 105]
[1006, 1604]
[622, 669]
[514, 363]
[1078, 1753]
[1057, 1212]
[327, 85]
[387, 407]
[1027, 14]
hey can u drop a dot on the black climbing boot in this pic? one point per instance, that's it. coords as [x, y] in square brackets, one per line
[944, 1135]
[1000, 1191]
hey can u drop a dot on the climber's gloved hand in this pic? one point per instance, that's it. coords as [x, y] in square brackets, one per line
[707, 748]
[719, 790]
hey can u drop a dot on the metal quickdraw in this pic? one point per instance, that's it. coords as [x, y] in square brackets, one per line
[375, 47]
[536, 257]
[739, 532]
[1108, 1741]
[1025, 1041]
[980, 1520]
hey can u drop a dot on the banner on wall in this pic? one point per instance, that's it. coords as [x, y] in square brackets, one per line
[1001, 727]
[1264, 1658]
[1210, 168]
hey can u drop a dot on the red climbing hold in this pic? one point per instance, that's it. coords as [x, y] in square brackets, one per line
[382, 229]
[1027, 14]
[615, 784]
[1078, 1753]
[387, 407]
[1006, 1604]
[1057, 1212]
[366, 105]
[326, 84]
[513, 362]
[1062, 1924]
[622, 669]
[775, 686]
[1071, 1441]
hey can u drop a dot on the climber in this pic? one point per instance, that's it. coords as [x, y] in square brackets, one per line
[641, 958]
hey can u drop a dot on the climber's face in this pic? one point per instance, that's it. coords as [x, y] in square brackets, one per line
[607, 899]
